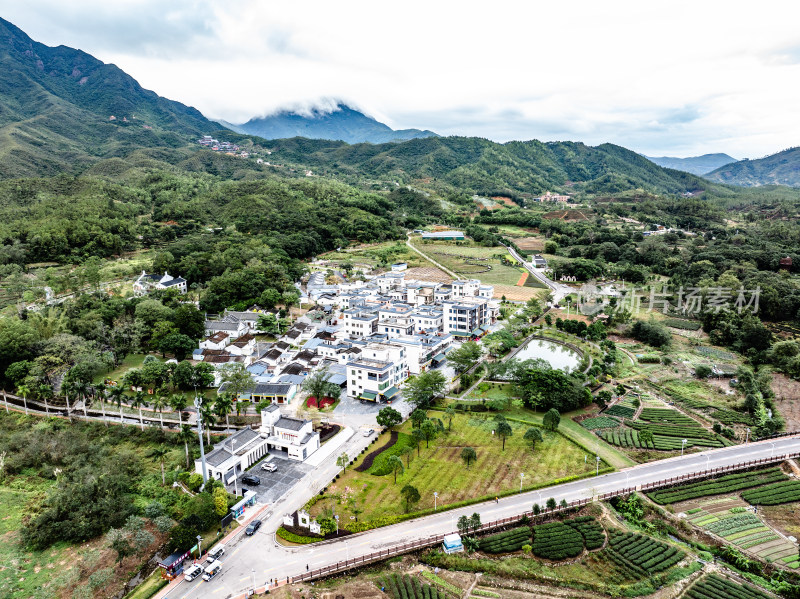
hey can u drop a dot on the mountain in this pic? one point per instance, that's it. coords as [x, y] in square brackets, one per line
[782, 168]
[697, 165]
[62, 110]
[477, 165]
[342, 123]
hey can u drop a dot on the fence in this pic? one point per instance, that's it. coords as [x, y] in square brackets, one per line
[401, 548]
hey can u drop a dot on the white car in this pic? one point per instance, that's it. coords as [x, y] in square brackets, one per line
[215, 553]
[367, 433]
[269, 467]
[193, 572]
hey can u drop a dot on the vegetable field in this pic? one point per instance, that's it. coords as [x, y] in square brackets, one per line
[667, 415]
[599, 422]
[639, 556]
[409, 587]
[717, 587]
[621, 411]
[591, 531]
[505, 542]
[717, 486]
[781, 492]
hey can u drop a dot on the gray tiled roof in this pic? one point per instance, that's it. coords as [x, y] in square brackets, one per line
[292, 424]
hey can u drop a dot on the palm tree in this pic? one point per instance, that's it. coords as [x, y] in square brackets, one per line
[223, 406]
[158, 454]
[186, 435]
[179, 403]
[44, 391]
[115, 396]
[160, 401]
[208, 418]
[137, 402]
[101, 388]
[24, 390]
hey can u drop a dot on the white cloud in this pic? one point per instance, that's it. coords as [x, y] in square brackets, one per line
[660, 77]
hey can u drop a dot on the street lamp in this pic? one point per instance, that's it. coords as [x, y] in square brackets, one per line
[747, 438]
[772, 452]
[197, 404]
[597, 469]
[253, 574]
[199, 547]
[435, 495]
[521, 476]
[708, 458]
[347, 551]
[627, 479]
[683, 444]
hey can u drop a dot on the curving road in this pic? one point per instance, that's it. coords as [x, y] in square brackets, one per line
[261, 559]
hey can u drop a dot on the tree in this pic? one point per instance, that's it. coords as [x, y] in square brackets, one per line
[450, 412]
[190, 321]
[410, 495]
[465, 357]
[236, 379]
[603, 397]
[388, 417]
[395, 465]
[504, 431]
[475, 521]
[220, 501]
[223, 406]
[160, 401]
[551, 419]
[463, 525]
[24, 391]
[533, 435]
[424, 388]
[178, 403]
[177, 344]
[208, 418]
[186, 435]
[115, 396]
[342, 461]
[137, 401]
[536, 509]
[468, 455]
[418, 437]
[159, 454]
[428, 430]
[551, 504]
[318, 386]
[702, 371]
[407, 451]
[646, 437]
[418, 417]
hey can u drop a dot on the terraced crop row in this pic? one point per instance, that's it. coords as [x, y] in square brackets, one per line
[781, 492]
[640, 554]
[667, 415]
[504, 542]
[621, 411]
[716, 587]
[717, 486]
[730, 417]
[734, 525]
[590, 529]
[409, 587]
[599, 422]
[556, 541]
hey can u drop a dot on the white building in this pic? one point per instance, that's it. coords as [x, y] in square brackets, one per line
[216, 341]
[468, 316]
[359, 323]
[423, 351]
[377, 373]
[234, 455]
[292, 436]
[149, 282]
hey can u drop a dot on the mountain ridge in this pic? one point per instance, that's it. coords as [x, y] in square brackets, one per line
[343, 123]
[781, 168]
[697, 165]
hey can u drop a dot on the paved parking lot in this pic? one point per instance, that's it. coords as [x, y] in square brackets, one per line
[275, 484]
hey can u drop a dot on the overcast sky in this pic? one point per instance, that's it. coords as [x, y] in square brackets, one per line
[660, 77]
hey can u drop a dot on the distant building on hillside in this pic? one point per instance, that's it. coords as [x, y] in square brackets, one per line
[444, 236]
[149, 282]
[551, 197]
[785, 263]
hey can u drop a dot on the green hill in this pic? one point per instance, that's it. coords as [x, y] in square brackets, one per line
[56, 106]
[782, 168]
[481, 166]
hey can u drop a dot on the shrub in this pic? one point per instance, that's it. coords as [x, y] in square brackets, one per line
[294, 538]
[504, 542]
[717, 486]
[556, 541]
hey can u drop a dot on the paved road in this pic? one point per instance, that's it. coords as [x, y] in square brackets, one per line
[259, 556]
[559, 290]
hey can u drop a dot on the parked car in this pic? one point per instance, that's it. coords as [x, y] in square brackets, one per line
[215, 553]
[369, 432]
[269, 467]
[252, 528]
[193, 572]
[251, 479]
[212, 570]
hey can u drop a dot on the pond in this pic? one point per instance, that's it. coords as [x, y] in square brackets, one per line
[557, 355]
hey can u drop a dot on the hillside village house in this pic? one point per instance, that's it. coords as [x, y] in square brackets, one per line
[294, 437]
[150, 282]
[234, 455]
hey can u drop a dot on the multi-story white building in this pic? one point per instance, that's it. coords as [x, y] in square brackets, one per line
[427, 319]
[468, 316]
[359, 323]
[423, 351]
[146, 283]
[377, 373]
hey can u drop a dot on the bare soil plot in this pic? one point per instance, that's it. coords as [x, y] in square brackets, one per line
[787, 398]
[531, 244]
[428, 273]
[516, 294]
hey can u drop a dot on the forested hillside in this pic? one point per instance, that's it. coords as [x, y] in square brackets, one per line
[782, 168]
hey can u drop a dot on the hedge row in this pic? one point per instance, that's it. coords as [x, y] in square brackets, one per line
[556, 541]
[684, 325]
[409, 587]
[599, 422]
[442, 584]
[716, 587]
[293, 538]
[591, 531]
[667, 415]
[730, 526]
[621, 411]
[504, 542]
[730, 417]
[717, 486]
[781, 492]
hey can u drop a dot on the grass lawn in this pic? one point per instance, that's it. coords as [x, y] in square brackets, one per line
[440, 468]
[130, 361]
[453, 257]
[491, 391]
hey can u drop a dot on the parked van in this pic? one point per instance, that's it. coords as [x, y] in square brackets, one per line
[212, 570]
[215, 553]
[193, 572]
